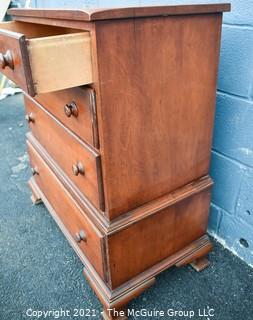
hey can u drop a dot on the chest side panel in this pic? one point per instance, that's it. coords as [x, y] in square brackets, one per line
[157, 85]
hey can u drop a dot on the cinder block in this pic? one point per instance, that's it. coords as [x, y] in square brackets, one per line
[64, 3]
[228, 229]
[244, 208]
[233, 123]
[238, 236]
[227, 177]
[241, 12]
[82, 3]
[236, 62]
[111, 3]
[214, 219]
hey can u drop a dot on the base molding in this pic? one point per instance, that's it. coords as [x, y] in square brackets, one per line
[35, 197]
[119, 298]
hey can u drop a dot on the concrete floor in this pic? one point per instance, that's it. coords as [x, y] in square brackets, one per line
[39, 270]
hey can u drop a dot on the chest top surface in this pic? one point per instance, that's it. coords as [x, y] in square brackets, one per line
[94, 14]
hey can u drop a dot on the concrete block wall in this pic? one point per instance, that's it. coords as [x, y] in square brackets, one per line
[231, 213]
[231, 216]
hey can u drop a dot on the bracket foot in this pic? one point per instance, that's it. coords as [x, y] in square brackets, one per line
[200, 264]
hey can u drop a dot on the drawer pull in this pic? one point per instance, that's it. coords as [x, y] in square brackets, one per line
[78, 168]
[34, 171]
[70, 109]
[6, 60]
[29, 118]
[81, 236]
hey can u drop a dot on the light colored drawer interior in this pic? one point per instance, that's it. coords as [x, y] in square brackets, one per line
[42, 58]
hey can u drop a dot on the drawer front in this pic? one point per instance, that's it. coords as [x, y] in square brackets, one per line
[80, 163]
[80, 228]
[43, 58]
[14, 61]
[76, 109]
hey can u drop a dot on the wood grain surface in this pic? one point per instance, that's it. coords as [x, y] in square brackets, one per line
[156, 102]
[85, 123]
[143, 244]
[67, 150]
[68, 210]
[94, 14]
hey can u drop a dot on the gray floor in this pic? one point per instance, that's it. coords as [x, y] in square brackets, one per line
[39, 271]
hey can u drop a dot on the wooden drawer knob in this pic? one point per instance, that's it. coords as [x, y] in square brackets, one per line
[29, 117]
[6, 60]
[34, 171]
[78, 168]
[70, 109]
[81, 236]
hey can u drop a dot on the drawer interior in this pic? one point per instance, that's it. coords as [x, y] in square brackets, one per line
[33, 30]
[58, 57]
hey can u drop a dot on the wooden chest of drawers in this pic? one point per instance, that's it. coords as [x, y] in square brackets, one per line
[120, 104]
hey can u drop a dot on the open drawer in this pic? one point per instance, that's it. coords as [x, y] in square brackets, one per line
[41, 58]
